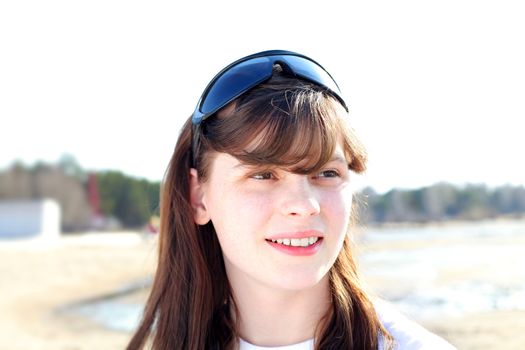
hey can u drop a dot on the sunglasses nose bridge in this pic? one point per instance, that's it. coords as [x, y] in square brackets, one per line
[284, 66]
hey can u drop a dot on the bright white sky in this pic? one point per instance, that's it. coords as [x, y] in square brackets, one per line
[436, 88]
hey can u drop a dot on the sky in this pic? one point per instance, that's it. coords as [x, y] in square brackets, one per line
[436, 89]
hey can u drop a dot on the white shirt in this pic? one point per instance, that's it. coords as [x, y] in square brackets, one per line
[306, 345]
[407, 334]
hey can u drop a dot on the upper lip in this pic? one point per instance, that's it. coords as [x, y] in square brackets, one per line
[296, 234]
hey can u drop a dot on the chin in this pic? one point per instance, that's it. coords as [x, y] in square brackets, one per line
[299, 281]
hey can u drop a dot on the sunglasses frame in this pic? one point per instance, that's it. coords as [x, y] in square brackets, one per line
[274, 56]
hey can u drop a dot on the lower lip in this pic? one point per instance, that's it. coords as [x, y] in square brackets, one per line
[297, 251]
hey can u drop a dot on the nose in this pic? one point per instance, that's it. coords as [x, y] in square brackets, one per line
[299, 197]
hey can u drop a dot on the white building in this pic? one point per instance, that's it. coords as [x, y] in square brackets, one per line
[29, 219]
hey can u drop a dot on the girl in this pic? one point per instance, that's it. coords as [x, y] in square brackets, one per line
[254, 248]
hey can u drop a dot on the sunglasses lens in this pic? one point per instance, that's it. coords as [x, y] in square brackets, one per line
[234, 82]
[308, 70]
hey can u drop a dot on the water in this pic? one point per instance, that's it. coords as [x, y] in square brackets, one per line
[460, 299]
[119, 311]
[461, 269]
[480, 229]
[449, 270]
[112, 314]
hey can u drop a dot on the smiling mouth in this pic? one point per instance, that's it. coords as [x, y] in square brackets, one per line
[296, 242]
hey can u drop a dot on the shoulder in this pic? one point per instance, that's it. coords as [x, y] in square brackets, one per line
[408, 334]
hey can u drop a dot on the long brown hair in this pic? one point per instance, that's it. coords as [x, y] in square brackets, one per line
[283, 122]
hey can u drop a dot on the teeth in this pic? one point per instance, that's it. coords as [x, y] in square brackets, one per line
[296, 242]
[304, 242]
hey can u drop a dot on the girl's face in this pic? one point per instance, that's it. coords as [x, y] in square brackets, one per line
[275, 228]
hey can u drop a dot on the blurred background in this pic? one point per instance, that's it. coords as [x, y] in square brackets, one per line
[92, 97]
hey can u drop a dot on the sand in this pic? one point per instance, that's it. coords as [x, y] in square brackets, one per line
[504, 330]
[38, 278]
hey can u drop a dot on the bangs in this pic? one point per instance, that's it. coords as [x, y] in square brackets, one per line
[297, 129]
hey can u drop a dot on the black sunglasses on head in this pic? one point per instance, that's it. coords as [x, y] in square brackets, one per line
[250, 71]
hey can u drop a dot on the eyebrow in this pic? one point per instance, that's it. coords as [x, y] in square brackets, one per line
[338, 158]
[244, 165]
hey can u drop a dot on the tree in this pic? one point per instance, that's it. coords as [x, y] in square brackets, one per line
[126, 198]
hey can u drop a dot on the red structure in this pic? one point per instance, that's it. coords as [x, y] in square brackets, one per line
[97, 220]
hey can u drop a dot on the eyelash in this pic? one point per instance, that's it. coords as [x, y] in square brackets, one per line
[266, 175]
[333, 173]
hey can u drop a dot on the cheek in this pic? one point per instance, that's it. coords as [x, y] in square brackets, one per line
[338, 202]
[240, 224]
[237, 213]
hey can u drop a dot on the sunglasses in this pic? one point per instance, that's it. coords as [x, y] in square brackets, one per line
[250, 71]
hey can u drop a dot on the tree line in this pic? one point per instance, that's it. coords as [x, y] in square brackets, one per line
[440, 202]
[131, 202]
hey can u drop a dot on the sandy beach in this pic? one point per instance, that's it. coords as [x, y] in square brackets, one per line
[38, 279]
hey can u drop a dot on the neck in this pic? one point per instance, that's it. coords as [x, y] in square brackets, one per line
[273, 317]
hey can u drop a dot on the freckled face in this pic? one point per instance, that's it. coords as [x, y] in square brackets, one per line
[252, 208]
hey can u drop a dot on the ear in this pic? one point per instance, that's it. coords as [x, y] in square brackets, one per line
[200, 212]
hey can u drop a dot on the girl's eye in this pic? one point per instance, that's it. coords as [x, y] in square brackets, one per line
[327, 174]
[263, 176]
